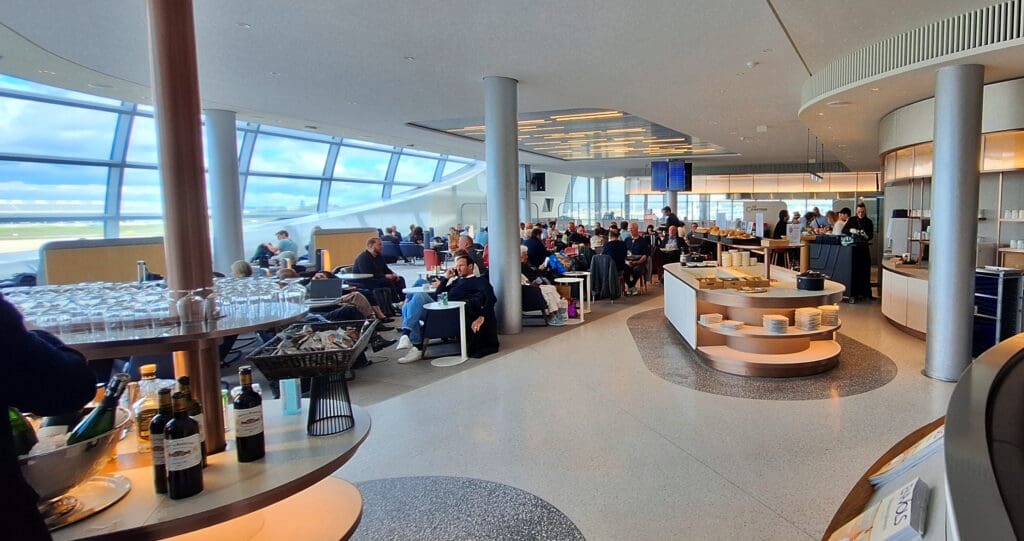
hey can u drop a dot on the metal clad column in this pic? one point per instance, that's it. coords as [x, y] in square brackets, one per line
[502, 156]
[225, 192]
[172, 51]
[596, 199]
[954, 232]
[672, 200]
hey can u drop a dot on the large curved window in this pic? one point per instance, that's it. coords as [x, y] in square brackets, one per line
[62, 152]
[360, 163]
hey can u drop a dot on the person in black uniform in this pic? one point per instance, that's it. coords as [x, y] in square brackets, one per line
[780, 227]
[670, 217]
[43, 376]
[862, 223]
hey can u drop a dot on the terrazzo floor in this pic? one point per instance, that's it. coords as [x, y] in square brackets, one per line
[407, 508]
[574, 417]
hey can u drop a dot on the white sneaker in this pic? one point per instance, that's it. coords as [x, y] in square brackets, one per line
[557, 320]
[632, 291]
[414, 355]
[404, 342]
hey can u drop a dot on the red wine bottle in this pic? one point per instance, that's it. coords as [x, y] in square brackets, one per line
[157, 425]
[195, 411]
[184, 460]
[249, 440]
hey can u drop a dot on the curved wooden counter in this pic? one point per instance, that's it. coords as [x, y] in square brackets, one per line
[751, 351]
[905, 298]
[861, 493]
[293, 463]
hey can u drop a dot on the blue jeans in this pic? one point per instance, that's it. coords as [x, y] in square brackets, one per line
[412, 314]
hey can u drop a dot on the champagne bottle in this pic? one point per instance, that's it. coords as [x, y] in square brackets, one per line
[21, 430]
[145, 407]
[157, 425]
[195, 411]
[184, 461]
[102, 418]
[249, 440]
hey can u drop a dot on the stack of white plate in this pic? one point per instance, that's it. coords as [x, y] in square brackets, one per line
[829, 315]
[726, 259]
[730, 325]
[710, 319]
[745, 258]
[808, 319]
[775, 324]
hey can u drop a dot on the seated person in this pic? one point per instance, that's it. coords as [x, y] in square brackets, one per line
[616, 249]
[370, 261]
[636, 263]
[536, 251]
[579, 236]
[476, 292]
[390, 236]
[241, 269]
[675, 245]
[466, 243]
[356, 298]
[529, 271]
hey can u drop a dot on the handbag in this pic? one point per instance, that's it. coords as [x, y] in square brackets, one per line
[572, 312]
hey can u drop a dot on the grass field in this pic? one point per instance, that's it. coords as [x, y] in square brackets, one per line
[28, 237]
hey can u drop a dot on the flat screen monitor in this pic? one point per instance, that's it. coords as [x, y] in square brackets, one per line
[680, 176]
[659, 176]
[538, 182]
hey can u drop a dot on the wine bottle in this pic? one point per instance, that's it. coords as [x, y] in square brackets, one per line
[249, 440]
[145, 406]
[157, 425]
[183, 459]
[101, 420]
[195, 411]
[21, 430]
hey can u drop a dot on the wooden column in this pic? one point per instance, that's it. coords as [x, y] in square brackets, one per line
[175, 82]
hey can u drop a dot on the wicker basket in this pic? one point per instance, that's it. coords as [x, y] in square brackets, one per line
[311, 363]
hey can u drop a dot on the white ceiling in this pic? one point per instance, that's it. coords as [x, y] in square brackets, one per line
[341, 65]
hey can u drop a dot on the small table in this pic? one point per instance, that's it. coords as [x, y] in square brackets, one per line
[588, 298]
[570, 281]
[412, 290]
[464, 354]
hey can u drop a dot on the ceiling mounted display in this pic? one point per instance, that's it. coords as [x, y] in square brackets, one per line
[588, 134]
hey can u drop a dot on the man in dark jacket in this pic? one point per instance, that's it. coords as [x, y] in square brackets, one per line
[481, 322]
[42, 376]
[535, 250]
[670, 217]
[372, 262]
[616, 249]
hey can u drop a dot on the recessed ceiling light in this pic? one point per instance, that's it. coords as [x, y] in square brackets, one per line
[838, 103]
[100, 85]
[244, 25]
[875, 89]
[275, 74]
[713, 122]
[48, 72]
[752, 64]
[762, 129]
[410, 58]
[352, 102]
[821, 114]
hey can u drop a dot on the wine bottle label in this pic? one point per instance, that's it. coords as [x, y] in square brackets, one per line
[156, 442]
[199, 419]
[248, 422]
[182, 454]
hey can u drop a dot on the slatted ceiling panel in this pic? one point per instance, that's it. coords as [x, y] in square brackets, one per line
[842, 182]
[985, 27]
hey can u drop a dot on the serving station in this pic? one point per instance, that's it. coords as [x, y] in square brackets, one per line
[741, 344]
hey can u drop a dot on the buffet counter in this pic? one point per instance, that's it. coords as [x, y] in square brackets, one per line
[750, 350]
[905, 297]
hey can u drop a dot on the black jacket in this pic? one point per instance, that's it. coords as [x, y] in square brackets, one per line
[43, 376]
[366, 263]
